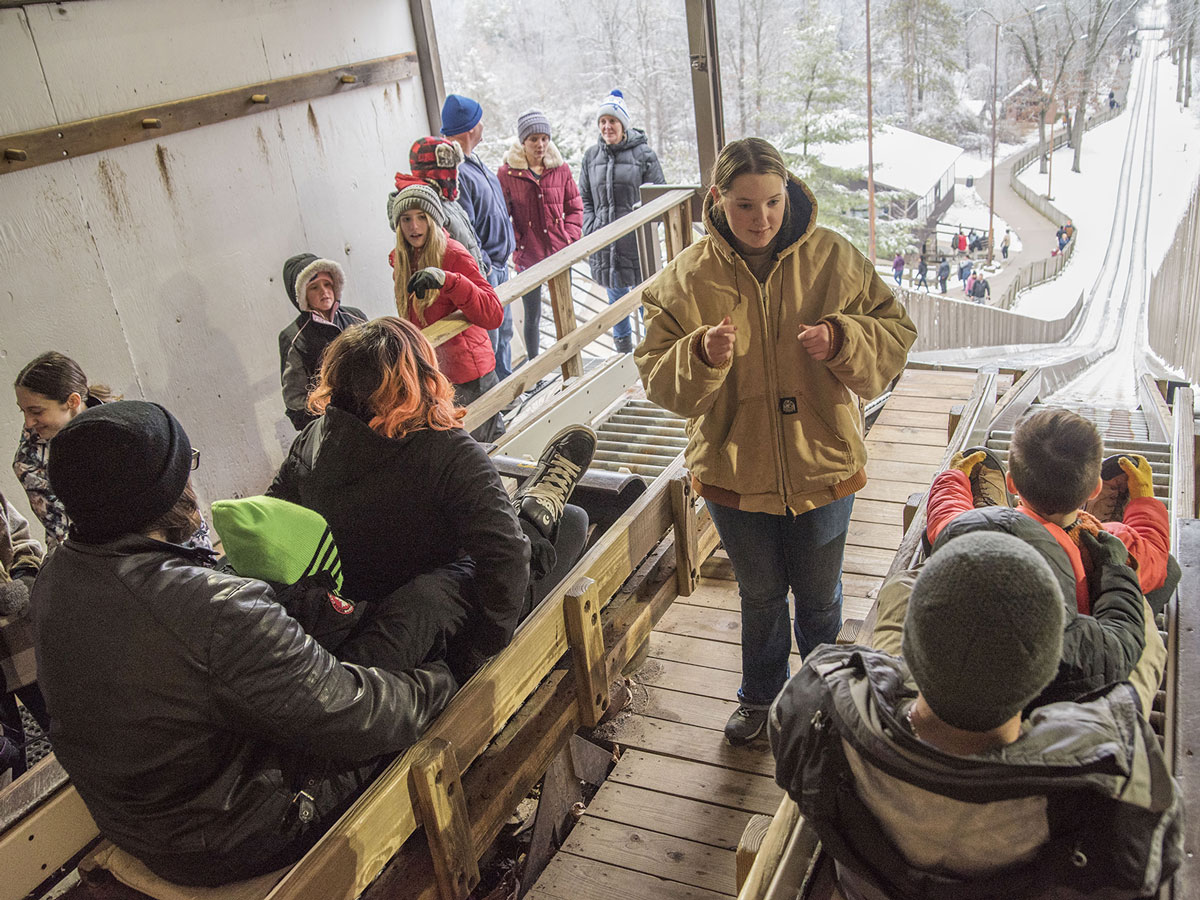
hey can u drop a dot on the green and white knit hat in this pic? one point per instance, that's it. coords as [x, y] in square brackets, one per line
[274, 540]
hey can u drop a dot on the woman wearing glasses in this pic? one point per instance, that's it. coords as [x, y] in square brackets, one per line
[51, 391]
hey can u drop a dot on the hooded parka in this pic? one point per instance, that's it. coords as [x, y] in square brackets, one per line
[610, 182]
[303, 342]
[546, 212]
[1081, 804]
[773, 429]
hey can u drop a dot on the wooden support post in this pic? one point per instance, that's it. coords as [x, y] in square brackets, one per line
[910, 508]
[438, 784]
[678, 228]
[585, 636]
[956, 414]
[563, 304]
[687, 544]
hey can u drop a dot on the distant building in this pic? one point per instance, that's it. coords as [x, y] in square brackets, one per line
[920, 169]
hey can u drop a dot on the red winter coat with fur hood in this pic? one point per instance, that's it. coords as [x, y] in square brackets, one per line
[546, 212]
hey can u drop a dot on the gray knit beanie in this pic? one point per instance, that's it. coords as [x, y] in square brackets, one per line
[984, 629]
[533, 121]
[416, 196]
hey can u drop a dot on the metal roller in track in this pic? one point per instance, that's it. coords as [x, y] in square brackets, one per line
[640, 438]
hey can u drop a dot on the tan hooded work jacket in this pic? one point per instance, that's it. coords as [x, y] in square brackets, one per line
[773, 429]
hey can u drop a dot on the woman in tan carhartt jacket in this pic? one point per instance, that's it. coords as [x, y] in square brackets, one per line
[759, 334]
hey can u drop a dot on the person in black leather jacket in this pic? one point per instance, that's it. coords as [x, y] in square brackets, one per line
[208, 735]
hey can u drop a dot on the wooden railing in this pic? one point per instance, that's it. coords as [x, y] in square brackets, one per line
[947, 324]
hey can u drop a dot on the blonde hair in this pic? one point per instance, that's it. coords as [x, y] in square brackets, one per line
[403, 267]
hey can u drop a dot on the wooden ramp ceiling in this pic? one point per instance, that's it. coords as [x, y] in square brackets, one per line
[667, 821]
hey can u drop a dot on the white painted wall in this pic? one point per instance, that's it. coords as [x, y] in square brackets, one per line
[157, 266]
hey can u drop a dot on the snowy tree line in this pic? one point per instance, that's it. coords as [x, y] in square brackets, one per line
[793, 71]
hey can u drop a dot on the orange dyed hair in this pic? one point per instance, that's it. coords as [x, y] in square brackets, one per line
[385, 373]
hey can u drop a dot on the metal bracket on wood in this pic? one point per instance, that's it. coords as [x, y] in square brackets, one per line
[443, 805]
[585, 636]
[562, 302]
[57, 142]
[687, 531]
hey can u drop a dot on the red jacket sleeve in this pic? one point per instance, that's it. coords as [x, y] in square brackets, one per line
[1146, 531]
[572, 207]
[949, 496]
[468, 290]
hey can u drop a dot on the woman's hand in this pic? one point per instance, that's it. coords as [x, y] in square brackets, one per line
[430, 279]
[719, 341]
[817, 340]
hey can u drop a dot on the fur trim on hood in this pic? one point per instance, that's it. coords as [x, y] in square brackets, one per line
[516, 157]
[301, 269]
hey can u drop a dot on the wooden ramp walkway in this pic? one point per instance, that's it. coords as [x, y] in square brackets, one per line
[667, 821]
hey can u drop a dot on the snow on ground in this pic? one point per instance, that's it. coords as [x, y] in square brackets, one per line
[970, 210]
[978, 166]
[1089, 197]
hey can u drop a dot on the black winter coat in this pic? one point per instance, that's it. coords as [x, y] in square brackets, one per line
[609, 185]
[189, 708]
[301, 345]
[401, 507]
[1098, 649]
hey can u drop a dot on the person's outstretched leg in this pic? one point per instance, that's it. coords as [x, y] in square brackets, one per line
[556, 556]
[816, 542]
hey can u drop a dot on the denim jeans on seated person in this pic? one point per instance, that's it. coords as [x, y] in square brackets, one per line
[770, 554]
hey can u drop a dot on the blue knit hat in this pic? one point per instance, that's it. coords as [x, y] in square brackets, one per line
[614, 105]
[460, 114]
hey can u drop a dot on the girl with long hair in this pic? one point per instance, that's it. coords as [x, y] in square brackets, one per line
[51, 391]
[759, 334]
[407, 492]
[435, 276]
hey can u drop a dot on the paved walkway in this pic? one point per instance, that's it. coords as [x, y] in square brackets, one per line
[1036, 232]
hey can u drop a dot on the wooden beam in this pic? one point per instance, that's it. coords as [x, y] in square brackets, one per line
[687, 549]
[439, 790]
[562, 303]
[73, 139]
[581, 610]
[43, 841]
[430, 62]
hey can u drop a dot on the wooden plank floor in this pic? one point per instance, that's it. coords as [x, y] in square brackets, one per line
[667, 821]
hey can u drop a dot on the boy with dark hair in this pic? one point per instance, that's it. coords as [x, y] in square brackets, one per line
[1055, 459]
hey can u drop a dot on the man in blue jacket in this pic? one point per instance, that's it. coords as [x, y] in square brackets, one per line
[479, 193]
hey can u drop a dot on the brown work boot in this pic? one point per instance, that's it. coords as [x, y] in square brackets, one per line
[1109, 505]
[987, 479]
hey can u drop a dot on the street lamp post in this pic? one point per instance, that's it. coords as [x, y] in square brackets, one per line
[995, 83]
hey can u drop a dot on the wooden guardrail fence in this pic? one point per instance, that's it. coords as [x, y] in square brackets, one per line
[1173, 319]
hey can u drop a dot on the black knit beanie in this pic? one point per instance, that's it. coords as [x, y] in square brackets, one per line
[118, 467]
[983, 633]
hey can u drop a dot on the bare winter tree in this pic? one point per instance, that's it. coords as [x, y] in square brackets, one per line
[1047, 43]
[923, 40]
[1100, 21]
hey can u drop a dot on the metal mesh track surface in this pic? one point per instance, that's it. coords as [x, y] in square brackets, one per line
[640, 438]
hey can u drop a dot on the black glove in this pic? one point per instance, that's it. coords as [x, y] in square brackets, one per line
[14, 596]
[430, 279]
[1105, 549]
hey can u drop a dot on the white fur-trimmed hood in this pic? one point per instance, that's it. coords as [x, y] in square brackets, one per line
[516, 157]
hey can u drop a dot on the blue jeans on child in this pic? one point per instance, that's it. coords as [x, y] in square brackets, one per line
[770, 554]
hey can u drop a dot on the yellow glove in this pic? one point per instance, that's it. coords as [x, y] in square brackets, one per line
[967, 464]
[1141, 478]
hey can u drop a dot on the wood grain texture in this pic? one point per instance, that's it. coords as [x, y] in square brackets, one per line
[570, 877]
[746, 791]
[692, 819]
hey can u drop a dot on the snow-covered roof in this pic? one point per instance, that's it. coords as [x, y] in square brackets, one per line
[904, 160]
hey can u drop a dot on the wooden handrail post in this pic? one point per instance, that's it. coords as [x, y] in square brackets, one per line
[562, 302]
[585, 636]
[687, 543]
[443, 804]
[956, 414]
[678, 221]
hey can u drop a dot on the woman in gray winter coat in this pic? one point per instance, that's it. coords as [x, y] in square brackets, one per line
[614, 169]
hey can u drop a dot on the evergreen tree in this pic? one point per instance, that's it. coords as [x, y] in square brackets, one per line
[920, 37]
[823, 86]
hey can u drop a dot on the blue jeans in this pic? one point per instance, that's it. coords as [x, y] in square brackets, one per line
[501, 337]
[769, 555]
[615, 293]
